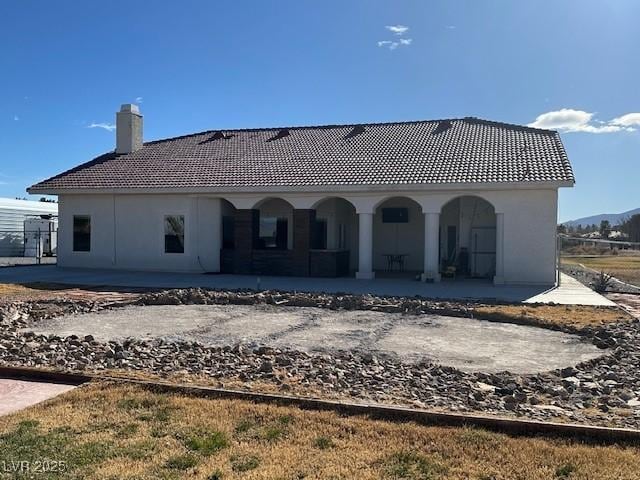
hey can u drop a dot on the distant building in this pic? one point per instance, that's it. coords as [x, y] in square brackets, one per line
[617, 235]
[13, 213]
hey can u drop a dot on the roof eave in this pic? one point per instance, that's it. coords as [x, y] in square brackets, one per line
[35, 189]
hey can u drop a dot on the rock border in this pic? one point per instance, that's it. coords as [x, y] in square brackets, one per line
[609, 385]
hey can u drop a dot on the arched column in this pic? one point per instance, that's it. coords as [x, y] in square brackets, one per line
[498, 279]
[431, 247]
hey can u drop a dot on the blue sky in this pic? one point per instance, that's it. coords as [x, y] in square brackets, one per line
[194, 66]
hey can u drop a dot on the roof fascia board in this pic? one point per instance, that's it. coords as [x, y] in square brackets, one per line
[310, 189]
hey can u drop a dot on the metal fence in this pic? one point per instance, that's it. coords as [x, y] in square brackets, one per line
[28, 247]
[568, 241]
[609, 257]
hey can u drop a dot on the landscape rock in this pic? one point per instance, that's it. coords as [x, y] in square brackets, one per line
[609, 383]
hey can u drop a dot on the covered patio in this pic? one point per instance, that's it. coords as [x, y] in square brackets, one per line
[392, 237]
[570, 291]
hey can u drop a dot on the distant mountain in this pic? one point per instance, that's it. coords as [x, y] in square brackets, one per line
[614, 218]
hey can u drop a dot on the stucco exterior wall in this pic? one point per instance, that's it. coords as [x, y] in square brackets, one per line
[127, 229]
[530, 220]
[101, 210]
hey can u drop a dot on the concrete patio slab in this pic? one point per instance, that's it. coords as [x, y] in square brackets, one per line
[570, 292]
[18, 394]
[464, 343]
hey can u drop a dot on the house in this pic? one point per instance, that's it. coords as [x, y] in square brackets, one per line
[14, 233]
[467, 197]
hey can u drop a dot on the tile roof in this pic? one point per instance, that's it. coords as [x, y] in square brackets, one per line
[459, 151]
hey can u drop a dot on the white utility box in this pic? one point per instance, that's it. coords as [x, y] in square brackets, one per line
[40, 236]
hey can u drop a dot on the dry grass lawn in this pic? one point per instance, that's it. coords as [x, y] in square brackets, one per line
[10, 292]
[623, 267]
[47, 291]
[124, 432]
[34, 291]
[577, 316]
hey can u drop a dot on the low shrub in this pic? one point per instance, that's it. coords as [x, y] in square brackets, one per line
[323, 443]
[602, 282]
[181, 462]
[207, 443]
[244, 463]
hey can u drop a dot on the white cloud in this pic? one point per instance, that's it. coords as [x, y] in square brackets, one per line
[389, 44]
[16, 118]
[451, 27]
[397, 29]
[392, 45]
[627, 120]
[570, 120]
[138, 100]
[106, 126]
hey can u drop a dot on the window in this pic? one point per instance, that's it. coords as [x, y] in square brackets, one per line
[395, 215]
[273, 233]
[174, 234]
[81, 233]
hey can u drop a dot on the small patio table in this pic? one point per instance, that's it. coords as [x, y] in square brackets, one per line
[395, 259]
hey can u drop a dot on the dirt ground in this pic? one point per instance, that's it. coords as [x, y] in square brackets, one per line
[104, 431]
[628, 301]
[467, 344]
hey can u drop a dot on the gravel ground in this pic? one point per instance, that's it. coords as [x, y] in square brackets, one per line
[588, 277]
[604, 390]
[467, 344]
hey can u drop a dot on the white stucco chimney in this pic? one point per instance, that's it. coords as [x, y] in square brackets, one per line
[128, 129]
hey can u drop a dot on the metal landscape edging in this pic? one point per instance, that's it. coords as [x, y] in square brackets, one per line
[518, 427]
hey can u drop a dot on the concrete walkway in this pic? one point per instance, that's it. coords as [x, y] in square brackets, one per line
[570, 291]
[18, 394]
